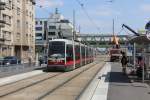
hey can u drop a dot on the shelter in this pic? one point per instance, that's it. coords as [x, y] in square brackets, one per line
[141, 47]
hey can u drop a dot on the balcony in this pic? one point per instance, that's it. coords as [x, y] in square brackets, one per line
[2, 23]
[2, 5]
[33, 2]
[2, 40]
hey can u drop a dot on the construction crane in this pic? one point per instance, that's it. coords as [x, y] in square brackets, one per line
[127, 27]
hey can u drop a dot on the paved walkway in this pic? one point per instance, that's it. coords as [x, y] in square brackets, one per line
[114, 85]
[120, 87]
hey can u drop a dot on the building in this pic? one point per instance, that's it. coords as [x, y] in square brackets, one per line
[56, 26]
[18, 31]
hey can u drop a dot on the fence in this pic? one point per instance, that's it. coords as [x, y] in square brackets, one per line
[18, 66]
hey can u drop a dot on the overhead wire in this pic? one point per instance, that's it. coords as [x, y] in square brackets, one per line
[120, 30]
[87, 14]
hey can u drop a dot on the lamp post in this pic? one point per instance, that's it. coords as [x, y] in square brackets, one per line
[73, 39]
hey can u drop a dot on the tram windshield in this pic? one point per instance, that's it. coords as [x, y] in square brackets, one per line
[56, 49]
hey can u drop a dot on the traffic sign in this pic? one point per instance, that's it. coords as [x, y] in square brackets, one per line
[130, 47]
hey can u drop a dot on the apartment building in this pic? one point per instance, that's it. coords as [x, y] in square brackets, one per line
[56, 26]
[18, 31]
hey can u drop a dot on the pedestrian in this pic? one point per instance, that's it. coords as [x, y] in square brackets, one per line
[124, 62]
[29, 61]
[40, 61]
[140, 64]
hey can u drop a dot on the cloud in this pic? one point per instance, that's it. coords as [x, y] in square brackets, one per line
[50, 3]
[145, 7]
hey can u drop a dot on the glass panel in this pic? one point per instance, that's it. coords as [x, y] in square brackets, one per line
[57, 49]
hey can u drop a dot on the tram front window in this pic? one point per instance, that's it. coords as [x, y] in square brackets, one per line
[56, 50]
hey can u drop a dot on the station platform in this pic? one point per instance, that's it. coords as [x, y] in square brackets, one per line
[111, 84]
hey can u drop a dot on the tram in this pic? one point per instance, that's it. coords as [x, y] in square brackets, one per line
[67, 55]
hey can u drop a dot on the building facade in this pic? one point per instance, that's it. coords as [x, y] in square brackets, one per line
[18, 31]
[56, 26]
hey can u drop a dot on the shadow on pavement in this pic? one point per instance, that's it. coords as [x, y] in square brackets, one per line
[117, 77]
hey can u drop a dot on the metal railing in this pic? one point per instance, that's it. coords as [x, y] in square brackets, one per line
[18, 66]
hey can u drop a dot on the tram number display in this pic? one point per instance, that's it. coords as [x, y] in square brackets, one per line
[56, 60]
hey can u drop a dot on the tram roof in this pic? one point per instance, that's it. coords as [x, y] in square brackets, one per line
[69, 42]
[66, 41]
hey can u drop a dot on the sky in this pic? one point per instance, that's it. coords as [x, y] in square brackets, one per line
[134, 13]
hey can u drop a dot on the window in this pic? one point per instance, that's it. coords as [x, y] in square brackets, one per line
[7, 19]
[8, 4]
[18, 36]
[30, 14]
[36, 22]
[27, 25]
[41, 22]
[7, 35]
[51, 33]
[45, 23]
[38, 34]
[64, 21]
[18, 23]
[27, 1]
[38, 28]
[69, 55]
[18, 11]
[57, 49]
[52, 27]
[27, 12]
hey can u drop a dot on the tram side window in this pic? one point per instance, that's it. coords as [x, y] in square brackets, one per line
[83, 52]
[87, 52]
[90, 52]
[69, 52]
[77, 52]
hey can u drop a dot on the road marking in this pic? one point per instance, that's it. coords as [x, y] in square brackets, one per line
[98, 88]
[18, 77]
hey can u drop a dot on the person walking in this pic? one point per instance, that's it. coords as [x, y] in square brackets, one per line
[40, 61]
[140, 65]
[29, 61]
[124, 62]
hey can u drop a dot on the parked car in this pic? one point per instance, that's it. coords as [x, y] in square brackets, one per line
[1, 60]
[11, 60]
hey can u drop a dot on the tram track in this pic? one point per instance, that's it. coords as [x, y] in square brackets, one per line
[82, 80]
[17, 86]
[42, 88]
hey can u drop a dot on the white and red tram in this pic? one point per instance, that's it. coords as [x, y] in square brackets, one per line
[62, 56]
